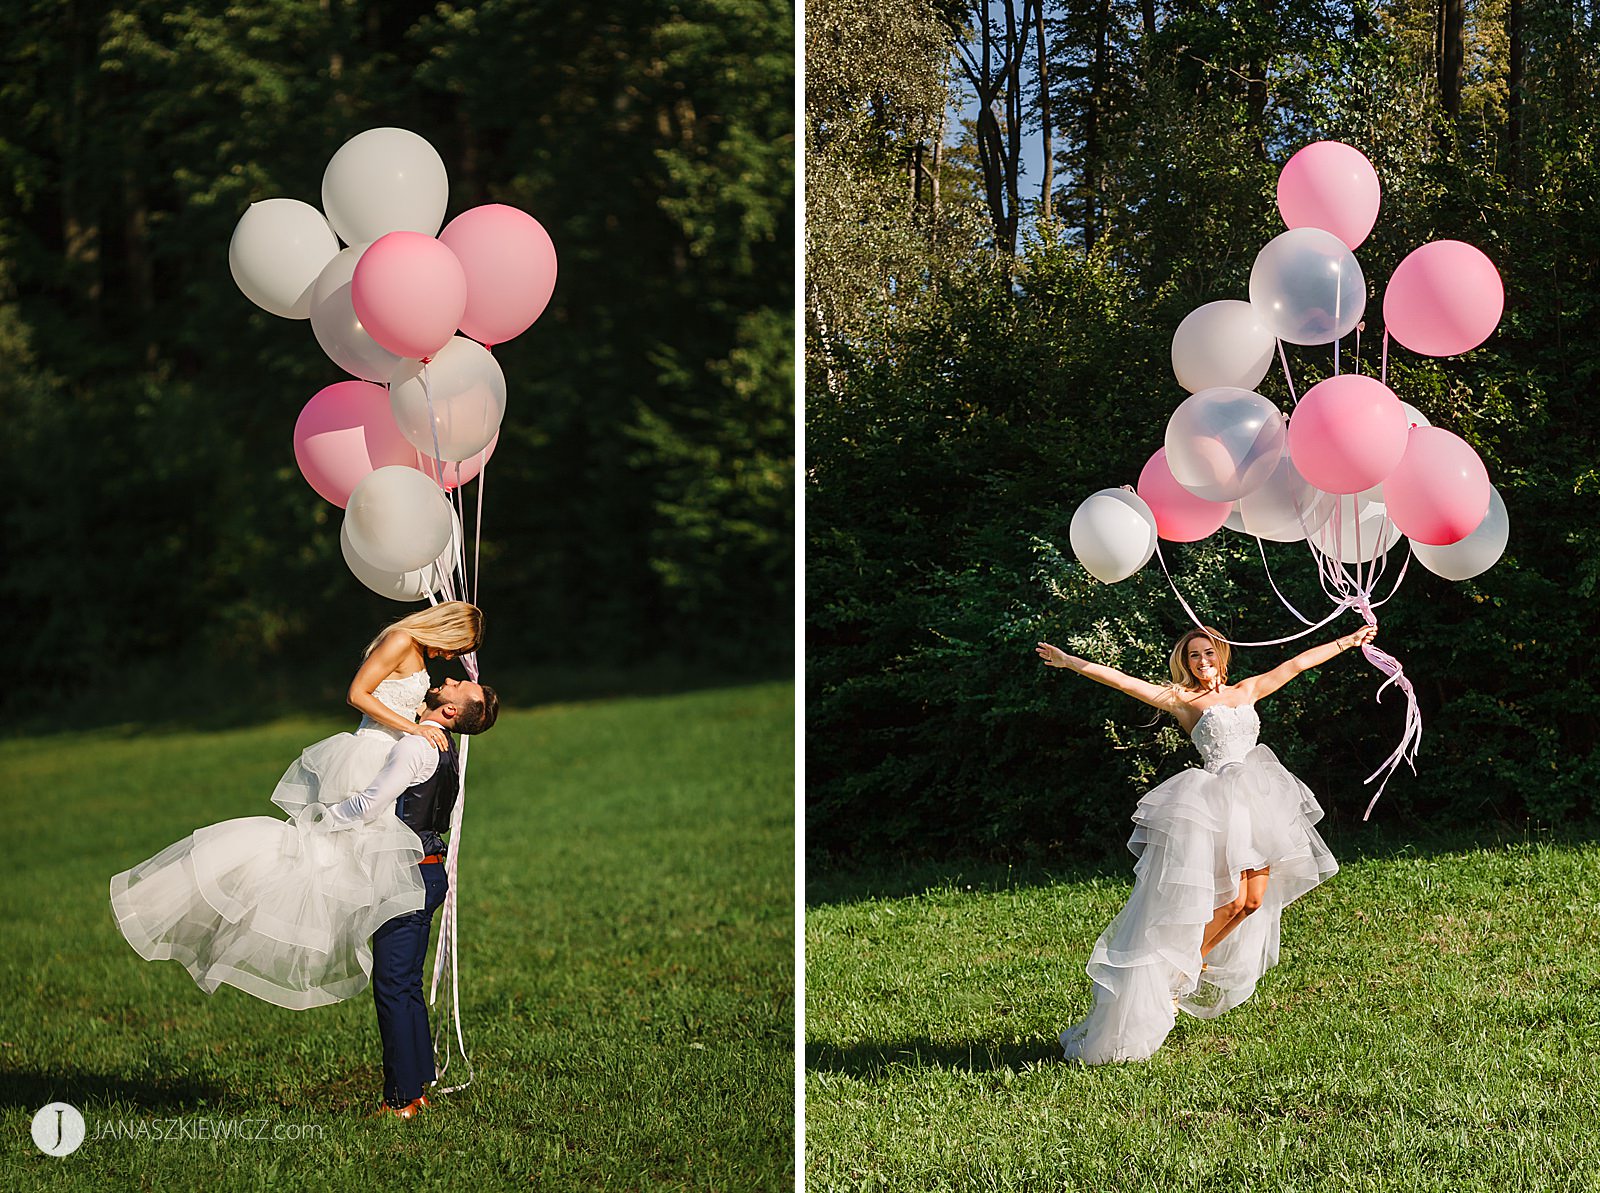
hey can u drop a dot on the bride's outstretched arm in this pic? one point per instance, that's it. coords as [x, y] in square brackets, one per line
[1259, 687]
[1152, 694]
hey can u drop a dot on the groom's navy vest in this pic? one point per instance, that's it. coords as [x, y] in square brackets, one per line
[425, 807]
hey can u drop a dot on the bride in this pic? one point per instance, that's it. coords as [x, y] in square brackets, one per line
[1222, 851]
[284, 909]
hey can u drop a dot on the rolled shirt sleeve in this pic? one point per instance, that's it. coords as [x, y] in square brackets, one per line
[413, 759]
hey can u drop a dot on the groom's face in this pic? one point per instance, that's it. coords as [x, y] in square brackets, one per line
[454, 691]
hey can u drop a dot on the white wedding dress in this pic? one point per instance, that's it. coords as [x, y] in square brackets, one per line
[284, 909]
[1196, 834]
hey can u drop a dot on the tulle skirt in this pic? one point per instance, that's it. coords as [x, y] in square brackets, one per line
[1194, 836]
[281, 909]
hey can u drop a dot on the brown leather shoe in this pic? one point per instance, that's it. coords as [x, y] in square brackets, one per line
[409, 1110]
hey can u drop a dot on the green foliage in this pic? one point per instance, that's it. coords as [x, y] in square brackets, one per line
[948, 454]
[642, 492]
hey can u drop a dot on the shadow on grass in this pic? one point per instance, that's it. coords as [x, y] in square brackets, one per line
[871, 1060]
[899, 878]
[30, 1090]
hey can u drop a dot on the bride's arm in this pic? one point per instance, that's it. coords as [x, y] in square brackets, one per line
[1152, 694]
[383, 662]
[1259, 687]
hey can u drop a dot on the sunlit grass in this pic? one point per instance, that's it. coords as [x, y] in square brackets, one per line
[1432, 1026]
[626, 957]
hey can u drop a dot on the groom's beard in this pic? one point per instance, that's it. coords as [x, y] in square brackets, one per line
[433, 700]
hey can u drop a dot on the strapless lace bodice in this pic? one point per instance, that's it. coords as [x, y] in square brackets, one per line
[402, 695]
[1226, 733]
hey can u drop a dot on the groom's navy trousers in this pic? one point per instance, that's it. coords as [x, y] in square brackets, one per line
[398, 949]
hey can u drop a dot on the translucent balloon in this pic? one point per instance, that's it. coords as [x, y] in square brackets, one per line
[1222, 443]
[1353, 531]
[398, 519]
[385, 180]
[1476, 553]
[460, 396]
[278, 248]
[338, 330]
[1307, 287]
[1113, 534]
[456, 472]
[1285, 508]
[1222, 344]
[404, 586]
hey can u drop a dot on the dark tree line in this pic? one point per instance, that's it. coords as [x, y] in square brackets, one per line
[958, 414]
[640, 502]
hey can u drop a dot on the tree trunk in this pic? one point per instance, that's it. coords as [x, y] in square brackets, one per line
[1044, 118]
[1514, 96]
[1452, 53]
[1092, 151]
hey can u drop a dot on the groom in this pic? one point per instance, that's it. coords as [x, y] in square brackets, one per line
[420, 782]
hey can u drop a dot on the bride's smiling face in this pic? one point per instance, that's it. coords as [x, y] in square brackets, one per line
[1201, 656]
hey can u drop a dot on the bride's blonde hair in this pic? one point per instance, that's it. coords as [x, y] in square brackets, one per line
[452, 625]
[1182, 677]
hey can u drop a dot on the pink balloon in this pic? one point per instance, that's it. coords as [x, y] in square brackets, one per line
[456, 472]
[1331, 186]
[409, 291]
[1348, 433]
[510, 265]
[1444, 298]
[344, 432]
[1439, 494]
[1181, 517]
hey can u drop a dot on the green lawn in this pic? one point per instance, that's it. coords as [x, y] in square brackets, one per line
[1433, 1025]
[627, 895]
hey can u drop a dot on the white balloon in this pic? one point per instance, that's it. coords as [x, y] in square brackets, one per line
[398, 519]
[1113, 534]
[1414, 416]
[1285, 508]
[404, 586]
[1352, 530]
[334, 322]
[1307, 287]
[460, 395]
[1223, 343]
[279, 247]
[385, 180]
[1222, 443]
[1476, 553]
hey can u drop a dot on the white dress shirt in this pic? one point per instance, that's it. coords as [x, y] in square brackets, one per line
[413, 759]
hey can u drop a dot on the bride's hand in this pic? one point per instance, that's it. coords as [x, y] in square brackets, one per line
[1362, 636]
[435, 735]
[1053, 656]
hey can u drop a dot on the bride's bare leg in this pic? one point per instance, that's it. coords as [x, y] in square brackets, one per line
[1252, 889]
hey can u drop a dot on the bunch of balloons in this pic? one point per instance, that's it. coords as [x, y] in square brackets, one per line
[422, 414]
[1352, 469]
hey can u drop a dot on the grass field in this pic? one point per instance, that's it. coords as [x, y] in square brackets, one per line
[627, 886]
[1433, 1024]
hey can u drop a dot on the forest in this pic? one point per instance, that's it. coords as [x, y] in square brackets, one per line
[638, 511]
[1010, 206]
